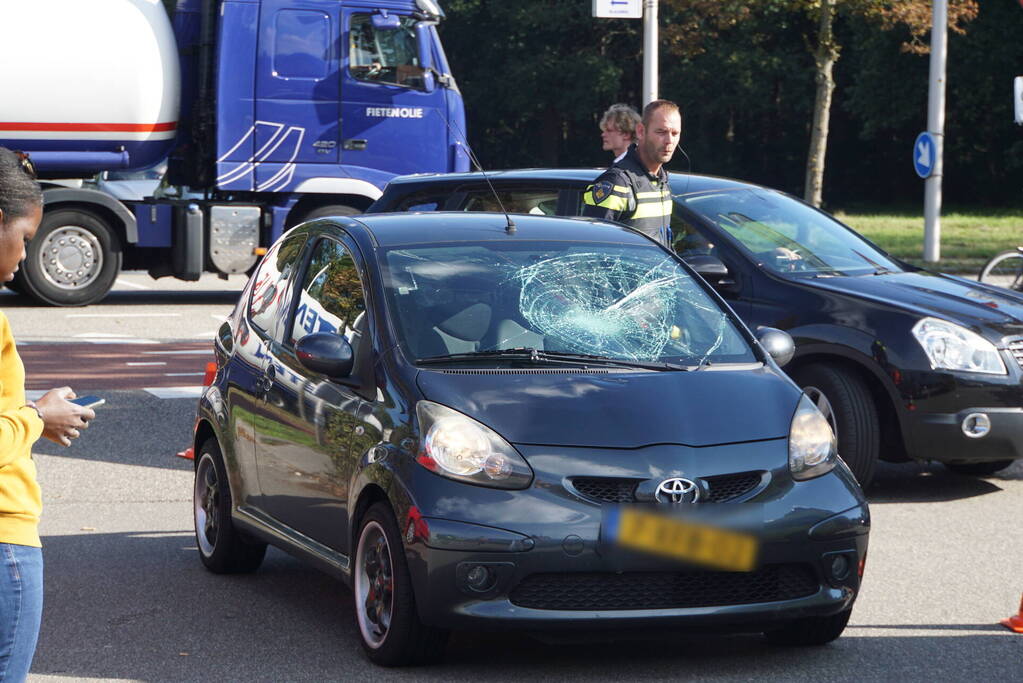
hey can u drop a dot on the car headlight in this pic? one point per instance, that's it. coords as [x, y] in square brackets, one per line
[953, 347]
[812, 446]
[457, 446]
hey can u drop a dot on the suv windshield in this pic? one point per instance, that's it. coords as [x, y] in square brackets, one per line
[632, 303]
[788, 236]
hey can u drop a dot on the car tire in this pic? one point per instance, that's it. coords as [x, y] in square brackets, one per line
[846, 402]
[73, 260]
[222, 548]
[385, 606]
[978, 469]
[328, 210]
[809, 631]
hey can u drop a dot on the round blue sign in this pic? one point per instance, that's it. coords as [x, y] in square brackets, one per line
[925, 154]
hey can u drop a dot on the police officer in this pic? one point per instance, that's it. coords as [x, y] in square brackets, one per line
[635, 191]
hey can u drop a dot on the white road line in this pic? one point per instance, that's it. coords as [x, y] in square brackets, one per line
[184, 374]
[122, 341]
[130, 284]
[175, 392]
[123, 315]
[179, 353]
[219, 318]
[155, 362]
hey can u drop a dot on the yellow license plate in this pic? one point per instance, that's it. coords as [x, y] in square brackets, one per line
[702, 544]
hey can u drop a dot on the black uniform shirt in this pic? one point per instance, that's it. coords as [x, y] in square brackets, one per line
[628, 193]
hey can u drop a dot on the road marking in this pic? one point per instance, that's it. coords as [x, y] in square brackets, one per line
[155, 362]
[184, 374]
[123, 315]
[219, 318]
[130, 284]
[205, 352]
[175, 392]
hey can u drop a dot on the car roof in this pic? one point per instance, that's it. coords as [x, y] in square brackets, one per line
[391, 229]
[681, 183]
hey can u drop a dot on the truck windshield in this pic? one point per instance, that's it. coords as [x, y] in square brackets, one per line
[388, 56]
[626, 302]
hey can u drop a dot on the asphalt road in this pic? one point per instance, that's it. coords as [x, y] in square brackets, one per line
[127, 598]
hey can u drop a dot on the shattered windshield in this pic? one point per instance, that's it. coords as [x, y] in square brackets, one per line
[626, 302]
[788, 236]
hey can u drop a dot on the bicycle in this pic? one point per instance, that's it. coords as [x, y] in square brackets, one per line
[1004, 270]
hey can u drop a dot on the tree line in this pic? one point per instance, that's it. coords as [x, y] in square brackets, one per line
[537, 74]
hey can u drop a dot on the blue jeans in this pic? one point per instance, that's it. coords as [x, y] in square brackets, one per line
[21, 609]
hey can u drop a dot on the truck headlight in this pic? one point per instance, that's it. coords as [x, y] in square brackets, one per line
[953, 347]
[812, 446]
[458, 447]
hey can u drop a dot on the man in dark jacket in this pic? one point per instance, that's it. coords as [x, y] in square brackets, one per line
[635, 191]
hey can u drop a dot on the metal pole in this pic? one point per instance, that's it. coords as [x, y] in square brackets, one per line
[936, 126]
[649, 51]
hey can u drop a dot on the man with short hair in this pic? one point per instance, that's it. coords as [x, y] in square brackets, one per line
[635, 191]
[618, 129]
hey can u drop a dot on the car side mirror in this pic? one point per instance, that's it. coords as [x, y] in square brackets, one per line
[711, 269]
[777, 343]
[326, 353]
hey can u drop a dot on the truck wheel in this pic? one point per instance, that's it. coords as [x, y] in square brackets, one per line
[978, 469]
[847, 404]
[329, 210]
[73, 260]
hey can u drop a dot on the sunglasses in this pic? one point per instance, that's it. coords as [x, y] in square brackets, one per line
[26, 164]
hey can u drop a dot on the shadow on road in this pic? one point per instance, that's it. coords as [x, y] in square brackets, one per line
[933, 483]
[140, 606]
[148, 297]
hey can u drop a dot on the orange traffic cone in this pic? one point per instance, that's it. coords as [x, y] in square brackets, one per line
[187, 454]
[1015, 622]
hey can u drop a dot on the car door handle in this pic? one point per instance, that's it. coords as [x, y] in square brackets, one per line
[354, 144]
[266, 382]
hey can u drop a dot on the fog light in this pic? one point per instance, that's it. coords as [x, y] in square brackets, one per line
[976, 425]
[839, 567]
[480, 578]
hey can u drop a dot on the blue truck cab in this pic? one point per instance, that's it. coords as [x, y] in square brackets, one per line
[287, 110]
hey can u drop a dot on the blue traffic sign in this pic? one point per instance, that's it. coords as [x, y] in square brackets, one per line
[925, 154]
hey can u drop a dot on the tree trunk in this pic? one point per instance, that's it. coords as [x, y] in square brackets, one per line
[824, 58]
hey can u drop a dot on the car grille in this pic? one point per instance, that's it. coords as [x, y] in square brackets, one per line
[1016, 349]
[664, 590]
[718, 489]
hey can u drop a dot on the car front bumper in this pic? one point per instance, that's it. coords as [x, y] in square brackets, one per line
[549, 567]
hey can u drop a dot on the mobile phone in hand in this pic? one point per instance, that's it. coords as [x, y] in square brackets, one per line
[88, 401]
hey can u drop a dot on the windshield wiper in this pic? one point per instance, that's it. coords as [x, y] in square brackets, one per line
[561, 357]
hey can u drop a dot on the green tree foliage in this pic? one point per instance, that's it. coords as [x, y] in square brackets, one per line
[537, 74]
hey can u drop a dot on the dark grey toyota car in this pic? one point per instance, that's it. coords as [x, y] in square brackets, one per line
[538, 424]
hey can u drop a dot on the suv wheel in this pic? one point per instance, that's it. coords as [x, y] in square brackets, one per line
[846, 402]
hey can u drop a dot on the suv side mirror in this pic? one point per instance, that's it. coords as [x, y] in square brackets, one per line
[326, 353]
[711, 269]
[777, 343]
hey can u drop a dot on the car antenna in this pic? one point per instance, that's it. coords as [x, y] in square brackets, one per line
[510, 226]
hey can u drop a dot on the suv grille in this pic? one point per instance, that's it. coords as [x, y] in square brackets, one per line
[664, 590]
[718, 489]
[1016, 349]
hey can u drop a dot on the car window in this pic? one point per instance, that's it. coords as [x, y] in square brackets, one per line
[269, 290]
[331, 298]
[385, 56]
[632, 302]
[788, 236]
[542, 202]
[421, 201]
[687, 241]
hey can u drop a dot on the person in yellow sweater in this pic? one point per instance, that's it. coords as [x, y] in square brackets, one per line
[21, 424]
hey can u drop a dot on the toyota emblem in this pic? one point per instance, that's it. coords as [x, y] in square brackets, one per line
[677, 491]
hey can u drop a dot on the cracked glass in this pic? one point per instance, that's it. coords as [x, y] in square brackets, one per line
[626, 302]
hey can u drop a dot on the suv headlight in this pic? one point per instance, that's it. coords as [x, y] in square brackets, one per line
[953, 347]
[812, 446]
[458, 447]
